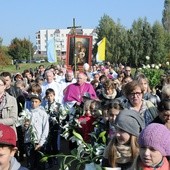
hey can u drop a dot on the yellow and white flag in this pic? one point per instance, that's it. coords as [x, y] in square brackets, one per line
[101, 50]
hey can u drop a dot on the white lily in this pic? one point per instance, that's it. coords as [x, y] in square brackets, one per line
[157, 67]
[152, 65]
[148, 66]
[144, 66]
[147, 57]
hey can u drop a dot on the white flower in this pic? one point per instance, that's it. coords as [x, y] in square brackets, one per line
[65, 135]
[167, 63]
[25, 114]
[99, 150]
[75, 139]
[157, 67]
[140, 68]
[80, 149]
[148, 66]
[78, 123]
[144, 66]
[147, 57]
[152, 65]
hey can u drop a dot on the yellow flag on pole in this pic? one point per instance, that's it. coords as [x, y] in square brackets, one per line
[101, 50]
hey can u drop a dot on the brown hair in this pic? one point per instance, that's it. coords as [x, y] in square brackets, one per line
[129, 87]
[143, 77]
[116, 104]
[3, 80]
[109, 84]
[112, 151]
[35, 88]
[6, 74]
[49, 91]
[20, 82]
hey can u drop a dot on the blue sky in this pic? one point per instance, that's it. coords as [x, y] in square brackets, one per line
[22, 19]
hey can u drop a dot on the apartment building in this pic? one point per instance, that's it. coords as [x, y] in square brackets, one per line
[60, 38]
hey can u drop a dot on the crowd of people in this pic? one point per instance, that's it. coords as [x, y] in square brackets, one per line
[36, 105]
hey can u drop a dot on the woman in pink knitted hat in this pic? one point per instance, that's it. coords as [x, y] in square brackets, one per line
[154, 142]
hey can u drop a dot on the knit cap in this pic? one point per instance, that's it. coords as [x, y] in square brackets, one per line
[7, 135]
[156, 136]
[130, 121]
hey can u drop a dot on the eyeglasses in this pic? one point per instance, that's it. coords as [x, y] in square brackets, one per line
[136, 93]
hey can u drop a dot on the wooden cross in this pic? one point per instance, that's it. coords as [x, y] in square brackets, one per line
[74, 33]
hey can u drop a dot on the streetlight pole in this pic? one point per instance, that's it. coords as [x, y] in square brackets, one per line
[30, 48]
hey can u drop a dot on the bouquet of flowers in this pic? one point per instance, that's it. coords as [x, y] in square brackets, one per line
[24, 120]
[23, 116]
[86, 154]
[153, 73]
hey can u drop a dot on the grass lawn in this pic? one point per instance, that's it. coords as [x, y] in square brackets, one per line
[23, 66]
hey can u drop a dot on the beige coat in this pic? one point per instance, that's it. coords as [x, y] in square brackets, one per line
[9, 112]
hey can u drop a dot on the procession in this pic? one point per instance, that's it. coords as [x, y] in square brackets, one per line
[92, 94]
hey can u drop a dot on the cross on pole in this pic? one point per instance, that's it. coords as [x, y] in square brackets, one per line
[73, 28]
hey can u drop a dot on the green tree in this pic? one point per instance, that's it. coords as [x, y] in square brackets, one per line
[167, 45]
[105, 29]
[1, 40]
[4, 57]
[147, 38]
[136, 42]
[140, 38]
[166, 16]
[132, 46]
[158, 50]
[117, 46]
[21, 49]
[121, 44]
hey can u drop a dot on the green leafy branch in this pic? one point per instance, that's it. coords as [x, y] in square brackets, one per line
[85, 153]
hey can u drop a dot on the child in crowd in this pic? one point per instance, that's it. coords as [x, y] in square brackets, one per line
[36, 133]
[102, 123]
[86, 121]
[53, 110]
[21, 84]
[109, 114]
[34, 88]
[8, 149]
[164, 113]
[154, 142]
[123, 148]
[114, 109]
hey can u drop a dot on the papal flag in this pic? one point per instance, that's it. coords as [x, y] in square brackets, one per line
[51, 52]
[101, 50]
